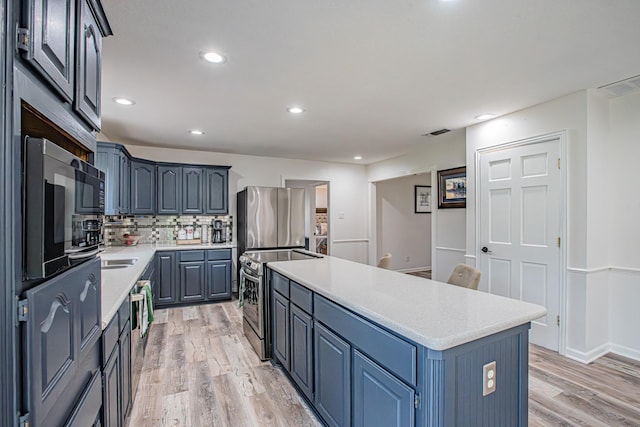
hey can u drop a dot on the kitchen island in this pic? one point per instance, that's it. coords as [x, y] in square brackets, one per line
[369, 346]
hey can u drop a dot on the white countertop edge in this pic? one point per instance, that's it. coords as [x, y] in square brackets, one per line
[433, 343]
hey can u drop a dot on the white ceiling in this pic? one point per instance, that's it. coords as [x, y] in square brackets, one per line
[373, 75]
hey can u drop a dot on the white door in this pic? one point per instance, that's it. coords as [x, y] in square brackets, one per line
[520, 193]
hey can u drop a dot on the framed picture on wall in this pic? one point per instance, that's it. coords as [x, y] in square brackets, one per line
[452, 185]
[422, 199]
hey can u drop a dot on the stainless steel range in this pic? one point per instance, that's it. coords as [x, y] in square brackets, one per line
[255, 291]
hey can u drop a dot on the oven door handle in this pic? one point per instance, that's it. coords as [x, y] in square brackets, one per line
[82, 255]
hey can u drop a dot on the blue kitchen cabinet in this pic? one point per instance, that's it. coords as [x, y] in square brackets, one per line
[115, 162]
[332, 368]
[125, 371]
[379, 398]
[167, 292]
[301, 328]
[143, 187]
[112, 390]
[192, 190]
[192, 281]
[217, 191]
[281, 340]
[218, 280]
[124, 197]
[88, 66]
[169, 190]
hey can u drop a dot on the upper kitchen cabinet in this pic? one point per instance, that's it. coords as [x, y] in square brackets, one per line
[143, 187]
[62, 40]
[114, 160]
[217, 191]
[192, 190]
[169, 190]
[88, 66]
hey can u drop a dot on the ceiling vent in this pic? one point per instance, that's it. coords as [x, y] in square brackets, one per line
[623, 87]
[437, 132]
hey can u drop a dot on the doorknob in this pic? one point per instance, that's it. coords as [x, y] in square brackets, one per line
[486, 250]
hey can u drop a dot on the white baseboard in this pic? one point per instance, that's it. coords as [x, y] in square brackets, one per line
[621, 350]
[589, 356]
[412, 270]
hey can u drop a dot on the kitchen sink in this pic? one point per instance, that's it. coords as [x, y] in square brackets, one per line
[110, 264]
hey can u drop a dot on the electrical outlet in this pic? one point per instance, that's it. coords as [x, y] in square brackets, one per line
[408, 259]
[489, 378]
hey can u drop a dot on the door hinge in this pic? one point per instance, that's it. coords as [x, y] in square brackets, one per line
[558, 242]
[22, 41]
[558, 162]
[558, 320]
[416, 401]
[24, 420]
[23, 310]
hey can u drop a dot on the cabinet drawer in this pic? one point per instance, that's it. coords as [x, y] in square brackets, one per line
[302, 297]
[124, 313]
[110, 338]
[280, 284]
[191, 255]
[395, 354]
[216, 254]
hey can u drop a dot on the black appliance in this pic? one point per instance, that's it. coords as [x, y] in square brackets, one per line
[218, 232]
[63, 198]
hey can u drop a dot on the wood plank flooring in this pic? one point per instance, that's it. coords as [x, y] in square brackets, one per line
[199, 370]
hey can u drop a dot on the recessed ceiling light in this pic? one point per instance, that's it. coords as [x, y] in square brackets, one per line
[123, 101]
[295, 110]
[214, 57]
[196, 132]
[357, 157]
[485, 116]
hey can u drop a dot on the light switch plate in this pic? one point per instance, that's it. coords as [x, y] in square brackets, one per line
[489, 378]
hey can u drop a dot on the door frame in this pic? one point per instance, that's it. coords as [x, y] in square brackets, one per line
[561, 137]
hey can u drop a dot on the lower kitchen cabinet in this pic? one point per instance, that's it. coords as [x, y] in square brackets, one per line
[332, 363]
[301, 333]
[192, 281]
[111, 391]
[281, 341]
[379, 398]
[192, 276]
[125, 372]
[116, 372]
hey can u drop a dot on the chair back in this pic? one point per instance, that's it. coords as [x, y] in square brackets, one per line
[465, 276]
[385, 261]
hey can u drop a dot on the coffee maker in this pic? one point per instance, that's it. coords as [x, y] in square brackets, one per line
[218, 232]
[87, 231]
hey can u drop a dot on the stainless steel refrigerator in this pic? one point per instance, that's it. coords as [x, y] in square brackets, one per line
[269, 218]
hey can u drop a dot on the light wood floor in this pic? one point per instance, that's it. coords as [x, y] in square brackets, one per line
[199, 370]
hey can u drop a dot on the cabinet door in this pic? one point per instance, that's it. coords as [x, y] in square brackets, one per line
[192, 190]
[125, 372]
[166, 289]
[332, 363]
[111, 392]
[143, 187]
[108, 160]
[89, 66]
[52, 42]
[124, 200]
[302, 349]
[169, 190]
[379, 398]
[192, 276]
[281, 341]
[89, 309]
[217, 191]
[218, 280]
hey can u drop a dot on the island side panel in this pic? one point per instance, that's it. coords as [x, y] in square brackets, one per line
[453, 391]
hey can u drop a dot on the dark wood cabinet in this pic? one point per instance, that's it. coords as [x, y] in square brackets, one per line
[192, 190]
[169, 190]
[166, 288]
[143, 187]
[192, 281]
[217, 191]
[88, 66]
[49, 33]
[332, 363]
[218, 280]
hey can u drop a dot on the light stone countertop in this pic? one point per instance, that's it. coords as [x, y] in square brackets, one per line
[117, 283]
[434, 314]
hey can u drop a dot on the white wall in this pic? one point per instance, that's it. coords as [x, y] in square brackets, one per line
[402, 232]
[623, 205]
[321, 196]
[347, 197]
[448, 225]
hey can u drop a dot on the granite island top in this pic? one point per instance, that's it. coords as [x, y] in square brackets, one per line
[116, 283]
[434, 314]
